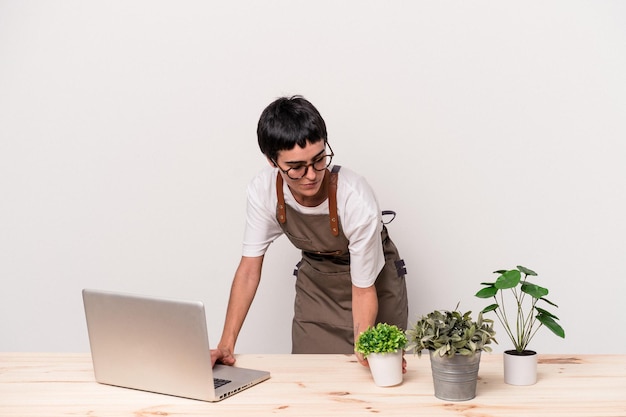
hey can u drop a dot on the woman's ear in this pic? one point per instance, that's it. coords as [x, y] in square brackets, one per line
[271, 162]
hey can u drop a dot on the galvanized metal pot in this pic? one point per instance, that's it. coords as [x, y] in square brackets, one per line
[455, 376]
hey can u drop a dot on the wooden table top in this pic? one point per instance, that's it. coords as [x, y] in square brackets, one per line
[57, 384]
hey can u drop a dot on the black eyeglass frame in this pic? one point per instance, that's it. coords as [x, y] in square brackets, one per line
[306, 166]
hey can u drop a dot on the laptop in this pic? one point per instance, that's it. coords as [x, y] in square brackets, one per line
[158, 345]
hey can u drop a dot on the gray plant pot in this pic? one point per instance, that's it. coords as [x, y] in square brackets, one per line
[455, 376]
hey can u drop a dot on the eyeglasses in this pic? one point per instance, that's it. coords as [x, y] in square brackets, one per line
[320, 163]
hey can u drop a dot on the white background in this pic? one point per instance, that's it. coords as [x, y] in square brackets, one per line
[496, 130]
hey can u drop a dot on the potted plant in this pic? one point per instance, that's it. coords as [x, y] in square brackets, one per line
[383, 346]
[455, 342]
[522, 325]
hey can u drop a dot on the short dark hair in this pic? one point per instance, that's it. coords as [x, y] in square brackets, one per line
[287, 122]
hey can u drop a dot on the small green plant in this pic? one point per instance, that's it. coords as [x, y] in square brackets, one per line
[382, 338]
[528, 317]
[450, 332]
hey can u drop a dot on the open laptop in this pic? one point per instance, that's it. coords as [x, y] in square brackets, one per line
[158, 345]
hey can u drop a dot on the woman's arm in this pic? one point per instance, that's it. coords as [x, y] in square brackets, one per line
[242, 292]
[364, 311]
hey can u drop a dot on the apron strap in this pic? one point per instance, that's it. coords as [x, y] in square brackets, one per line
[332, 200]
[331, 182]
[282, 216]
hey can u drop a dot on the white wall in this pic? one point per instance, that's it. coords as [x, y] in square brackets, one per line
[496, 130]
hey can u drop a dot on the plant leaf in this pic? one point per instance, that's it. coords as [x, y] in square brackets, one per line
[534, 290]
[508, 279]
[547, 313]
[487, 292]
[551, 324]
[490, 308]
[549, 302]
[526, 271]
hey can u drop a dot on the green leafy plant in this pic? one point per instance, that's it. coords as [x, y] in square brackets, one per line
[382, 338]
[528, 318]
[450, 332]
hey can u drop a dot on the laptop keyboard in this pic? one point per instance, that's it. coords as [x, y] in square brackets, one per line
[218, 382]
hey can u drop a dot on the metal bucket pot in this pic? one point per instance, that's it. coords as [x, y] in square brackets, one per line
[455, 376]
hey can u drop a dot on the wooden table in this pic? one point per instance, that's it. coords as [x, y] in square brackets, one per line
[40, 384]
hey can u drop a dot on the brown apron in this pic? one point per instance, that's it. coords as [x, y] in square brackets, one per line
[322, 320]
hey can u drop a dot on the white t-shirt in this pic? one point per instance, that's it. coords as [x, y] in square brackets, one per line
[357, 208]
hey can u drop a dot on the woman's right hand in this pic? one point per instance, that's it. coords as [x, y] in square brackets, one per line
[222, 355]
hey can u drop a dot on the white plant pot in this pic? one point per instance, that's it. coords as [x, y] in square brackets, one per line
[520, 368]
[386, 368]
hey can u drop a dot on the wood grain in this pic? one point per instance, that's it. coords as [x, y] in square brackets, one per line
[48, 384]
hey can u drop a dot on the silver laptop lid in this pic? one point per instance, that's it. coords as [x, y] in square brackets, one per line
[149, 344]
[158, 345]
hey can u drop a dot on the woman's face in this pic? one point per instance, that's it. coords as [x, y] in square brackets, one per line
[308, 189]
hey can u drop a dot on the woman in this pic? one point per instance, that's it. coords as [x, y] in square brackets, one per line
[350, 276]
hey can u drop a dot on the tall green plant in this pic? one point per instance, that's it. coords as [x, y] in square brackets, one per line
[522, 326]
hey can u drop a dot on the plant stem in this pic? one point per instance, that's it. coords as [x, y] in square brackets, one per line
[533, 334]
[501, 315]
[523, 320]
